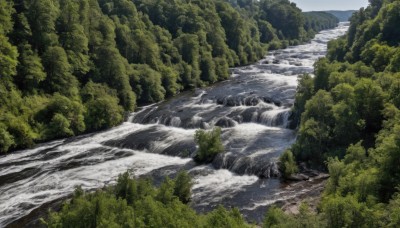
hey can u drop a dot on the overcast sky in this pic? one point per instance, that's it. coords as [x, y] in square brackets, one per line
[310, 5]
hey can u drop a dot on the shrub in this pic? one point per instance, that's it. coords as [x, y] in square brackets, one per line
[209, 145]
[287, 164]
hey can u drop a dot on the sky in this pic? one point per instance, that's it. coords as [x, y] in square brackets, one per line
[310, 5]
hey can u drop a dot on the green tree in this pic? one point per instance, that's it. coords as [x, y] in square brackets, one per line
[59, 73]
[6, 22]
[102, 108]
[6, 139]
[165, 193]
[275, 217]
[8, 58]
[287, 164]
[114, 70]
[370, 100]
[150, 84]
[209, 145]
[183, 186]
[30, 70]
[59, 126]
[65, 114]
[42, 15]
[20, 131]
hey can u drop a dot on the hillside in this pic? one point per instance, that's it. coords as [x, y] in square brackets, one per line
[70, 67]
[342, 15]
[349, 123]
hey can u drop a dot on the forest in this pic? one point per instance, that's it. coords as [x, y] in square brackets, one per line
[69, 67]
[348, 121]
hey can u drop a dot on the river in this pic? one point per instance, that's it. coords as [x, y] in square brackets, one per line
[252, 107]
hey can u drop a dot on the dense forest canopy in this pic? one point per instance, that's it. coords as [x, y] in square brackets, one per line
[349, 123]
[74, 66]
[137, 203]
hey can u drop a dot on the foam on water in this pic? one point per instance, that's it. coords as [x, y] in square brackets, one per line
[218, 185]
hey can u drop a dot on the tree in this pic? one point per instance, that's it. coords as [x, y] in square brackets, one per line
[390, 17]
[304, 92]
[103, 110]
[59, 127]
[6, 139]
[30, 70]
[165, 193]
[209, 145]
[275, 217]
[188, 46]
[169, 80]
[59, 73]
[370, 100]
[221, 217]
[42, 15]
[114, 70]
[287, 164]
[6, 22]
[20, 132]
[344, 211]
[103, 113]
[8, 59]
[150, 89]
[65, 114]
[183, 187]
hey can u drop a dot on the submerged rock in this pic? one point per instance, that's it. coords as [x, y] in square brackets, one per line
[225, 122]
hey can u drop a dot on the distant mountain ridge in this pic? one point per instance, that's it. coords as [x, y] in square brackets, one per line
[341, 15]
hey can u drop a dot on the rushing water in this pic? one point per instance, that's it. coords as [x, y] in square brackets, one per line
[252, 108]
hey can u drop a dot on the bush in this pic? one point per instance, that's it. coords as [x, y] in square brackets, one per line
[59, 127]
[22, 133]
[287, 164]
[103, 113]
[209, 145]
[6, 140]
[183, 187]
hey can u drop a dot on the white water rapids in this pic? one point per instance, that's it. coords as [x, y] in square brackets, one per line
[252, 108]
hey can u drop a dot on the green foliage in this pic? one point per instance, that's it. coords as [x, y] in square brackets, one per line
[144, 51]
[20, 130]
[6, 11]
[42, 16]
[344, 212]
[183, 186]
[137, 203]
[100, 209]
[150, 89]
[221, 217]
[317, 21]
[30, 70]
[352, 126]
[275, 217]
[287, 164]
[59, 72]
[67, 117]
[8, 58]
[6, 140]
[209, 145]
[304, 92]
[59, 126]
